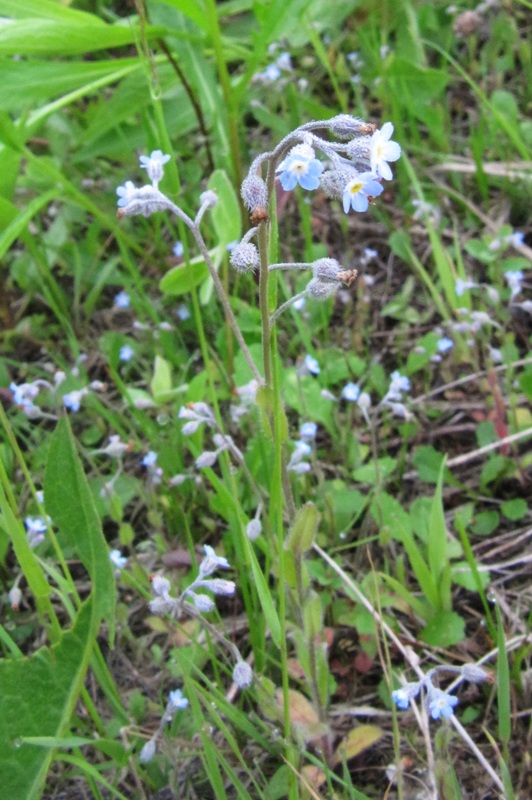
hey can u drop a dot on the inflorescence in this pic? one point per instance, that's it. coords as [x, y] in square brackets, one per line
[440, 704]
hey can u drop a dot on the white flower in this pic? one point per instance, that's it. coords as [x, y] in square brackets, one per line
[153, 165]
[383, 150]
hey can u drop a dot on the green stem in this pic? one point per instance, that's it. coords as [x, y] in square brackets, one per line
[229, 95]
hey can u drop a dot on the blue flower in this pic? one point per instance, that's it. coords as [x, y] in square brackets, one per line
[125, 194]
[118, 559]
[178, 249]
[359, 189]
[72, 400]
[308, 430]
[122, 300]
[402, 697]
[312, 365]
[150, 459]
[182, 312]
[462, 286]
[300, 166]
[440, 703]
[444, 344]
[126, 353]
[351, 392]
[211, 562]
[177, 699]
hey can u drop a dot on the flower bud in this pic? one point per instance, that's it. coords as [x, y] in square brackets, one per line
[244, 257]
[253, 192]
[144, 202]
[202, 602]
[15, 596]
[253, 529]
[243, 675]
[344, 126]
[148, 751]
[209, 198]
[218, 586]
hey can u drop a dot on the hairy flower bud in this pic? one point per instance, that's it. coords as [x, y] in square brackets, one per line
[209, 198]
[334, 181]
[253, 192]
[244, 257]
[321, 290]
[144, 201]
[243, 675]
[344, 126]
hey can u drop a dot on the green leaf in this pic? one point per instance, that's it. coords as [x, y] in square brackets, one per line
[226, 215]
[183, 278]
[37, 699]
[437, 540]
[161, 382]
[71, 507]
[514, 509]
[42, 36]
[485, 522]
[371, 473]
[444, 630]
[303, 530]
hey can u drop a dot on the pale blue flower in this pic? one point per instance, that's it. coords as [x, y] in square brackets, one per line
[284, 62]
[72, 400]
[126, 353]
[125, 194]
[182, 312]
[118, 559]
[514, 280]
[444, 344]
[399, 383]
[149, 460]
[308, 430]
[211, 562]
[35, 530]
[516, 239]
[300, 166]
[299, 304]
[122, 300]
[177, 699]
[271, 74]
[351, 392]
[402, 697]
[440, 704]
[178, 249]
[312, 365]
[153, 164]
[462, 286]
[358, 191]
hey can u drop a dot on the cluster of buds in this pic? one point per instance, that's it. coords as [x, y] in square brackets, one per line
[195, 602]
[356, 164]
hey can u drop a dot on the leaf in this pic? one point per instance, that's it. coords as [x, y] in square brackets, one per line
[183, 278]
[71, 507]
[226, 215]
[445, 629]
[161, 382]
[301, 710]
[438, 556]
[356, 741]
[42, 36]
[38, 698]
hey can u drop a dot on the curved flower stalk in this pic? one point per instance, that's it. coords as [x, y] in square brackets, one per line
[147, 200]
